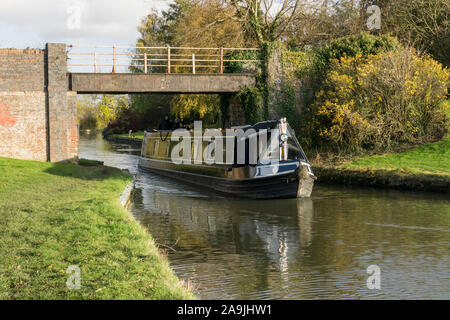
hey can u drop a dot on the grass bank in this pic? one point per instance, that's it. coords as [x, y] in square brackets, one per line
[139, 135]
[422, 168]
[123, 138]
[53, 216]
[430, 158]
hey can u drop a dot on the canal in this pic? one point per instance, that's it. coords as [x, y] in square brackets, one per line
[317, 248]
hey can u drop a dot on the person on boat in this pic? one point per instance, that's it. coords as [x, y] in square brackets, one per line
[177, 124]
[165, 124]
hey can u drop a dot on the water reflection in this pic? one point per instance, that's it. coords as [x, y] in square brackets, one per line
[294, 249]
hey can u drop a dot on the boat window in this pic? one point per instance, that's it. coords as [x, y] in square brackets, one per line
[250, 149]
[172, 145]
[155, 147]
[295, 151]
[266, 151]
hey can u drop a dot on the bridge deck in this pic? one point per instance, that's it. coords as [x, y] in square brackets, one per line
[158, 83]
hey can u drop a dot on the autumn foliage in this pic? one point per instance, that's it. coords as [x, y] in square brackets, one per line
[379, 102]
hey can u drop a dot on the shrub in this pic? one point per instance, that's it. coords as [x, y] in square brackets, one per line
[240, 66]
[379, 102]
[305, 71]
[363, 44]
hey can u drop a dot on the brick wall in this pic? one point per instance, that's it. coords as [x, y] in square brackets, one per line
[23, 125]
[63, 128]
[62, 108]
[38, 117]
[22, 70]
[235, 113]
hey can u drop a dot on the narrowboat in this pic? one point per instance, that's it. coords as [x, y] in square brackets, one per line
[263, 161]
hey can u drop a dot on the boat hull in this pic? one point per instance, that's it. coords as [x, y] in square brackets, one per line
[289, 185]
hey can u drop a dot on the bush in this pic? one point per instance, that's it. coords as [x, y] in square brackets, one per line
[305, 71]
[363, 44]
[240, 66]
[379, 102]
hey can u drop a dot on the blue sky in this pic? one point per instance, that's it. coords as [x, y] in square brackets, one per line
[32, 23]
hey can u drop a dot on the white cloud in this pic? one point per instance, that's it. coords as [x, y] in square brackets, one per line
[31, 23]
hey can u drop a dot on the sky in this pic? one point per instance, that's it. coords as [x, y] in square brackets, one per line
[32, 23]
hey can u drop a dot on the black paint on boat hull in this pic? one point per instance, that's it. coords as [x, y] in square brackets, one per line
[272, 187]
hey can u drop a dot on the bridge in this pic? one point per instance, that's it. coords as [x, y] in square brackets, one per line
[120, 69]
[38, 88]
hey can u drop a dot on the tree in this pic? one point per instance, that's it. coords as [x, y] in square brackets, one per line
[186, 23]
[323, 21]
[266, 20]
[158, 29]
[425, 24]
[209, 23]
[87, 113]
[96, 111]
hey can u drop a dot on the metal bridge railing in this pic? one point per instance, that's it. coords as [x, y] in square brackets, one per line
[167, 59]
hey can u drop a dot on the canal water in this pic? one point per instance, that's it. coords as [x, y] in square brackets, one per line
[317, 248]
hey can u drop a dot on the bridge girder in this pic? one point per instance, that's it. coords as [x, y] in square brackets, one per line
[122, 83]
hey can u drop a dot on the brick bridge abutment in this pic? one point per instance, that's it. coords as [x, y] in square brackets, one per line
[38, 115]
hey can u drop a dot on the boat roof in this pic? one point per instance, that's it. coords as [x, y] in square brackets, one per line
[269, 124]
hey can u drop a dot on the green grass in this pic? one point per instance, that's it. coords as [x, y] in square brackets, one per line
[430, 158]
[56, 215]
[137, 135]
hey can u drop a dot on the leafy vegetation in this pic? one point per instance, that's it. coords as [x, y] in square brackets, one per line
[191, 24]
[363, 44]
[378, 102]
[304, 73]
[191, 107]
[97, 111]
[421, 23]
